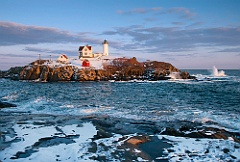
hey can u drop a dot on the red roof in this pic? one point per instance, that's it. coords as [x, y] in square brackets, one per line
[81, 47]
[65, 56]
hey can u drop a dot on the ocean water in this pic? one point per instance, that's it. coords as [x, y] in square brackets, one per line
[213, 100]
[210, 99]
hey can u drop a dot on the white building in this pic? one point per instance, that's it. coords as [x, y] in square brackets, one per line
[86, 51]
[62, 58]
[105, 48]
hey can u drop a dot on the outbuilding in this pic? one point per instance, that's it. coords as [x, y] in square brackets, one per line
[62, 58]
[86, 63]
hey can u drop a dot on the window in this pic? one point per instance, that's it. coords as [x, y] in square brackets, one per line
[85, 54]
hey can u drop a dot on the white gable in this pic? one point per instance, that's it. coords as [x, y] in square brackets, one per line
[62, 58]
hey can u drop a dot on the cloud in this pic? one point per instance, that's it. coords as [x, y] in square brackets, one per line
[173, 39]
[230, 50]
[11, 55]
[49, 51]
[181, 11]
[178, 23]
[150, 19]
[195, 25]
[139, 11]
[13, 34]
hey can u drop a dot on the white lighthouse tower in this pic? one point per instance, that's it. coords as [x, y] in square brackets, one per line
[105, 48]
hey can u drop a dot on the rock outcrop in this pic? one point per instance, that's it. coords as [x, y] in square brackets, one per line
[6, 104]
[186, 75]
[86, 74]
[136, 140]
[12, 73]
[63, 73]
[203, 132]
[45, 72]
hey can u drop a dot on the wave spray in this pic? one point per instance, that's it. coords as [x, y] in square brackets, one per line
[217, 73]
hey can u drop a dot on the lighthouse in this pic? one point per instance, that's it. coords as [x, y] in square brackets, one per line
[105, 48]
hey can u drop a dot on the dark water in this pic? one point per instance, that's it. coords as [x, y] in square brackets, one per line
[211, 98]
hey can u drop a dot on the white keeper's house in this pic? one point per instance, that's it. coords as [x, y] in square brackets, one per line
[85, 52]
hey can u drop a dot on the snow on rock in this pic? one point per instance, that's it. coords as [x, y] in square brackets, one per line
[49, 143]
[192, 149]
[73, 142]
[96, 63]
[39, 142]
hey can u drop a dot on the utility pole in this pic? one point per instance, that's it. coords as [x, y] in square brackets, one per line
[39, 58]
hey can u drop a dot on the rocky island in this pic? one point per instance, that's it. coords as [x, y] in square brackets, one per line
[118, 69]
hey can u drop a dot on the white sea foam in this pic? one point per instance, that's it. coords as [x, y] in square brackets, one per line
[11, 97]
[174, 75]
[39, 99]
[88, 111]
[67, 106]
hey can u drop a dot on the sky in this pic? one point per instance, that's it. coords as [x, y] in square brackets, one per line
[190, 34]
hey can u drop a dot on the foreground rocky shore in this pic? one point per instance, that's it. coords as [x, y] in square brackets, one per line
[119, 70]
[103, 138]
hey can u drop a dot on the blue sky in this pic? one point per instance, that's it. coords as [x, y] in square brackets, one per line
[186, 33]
